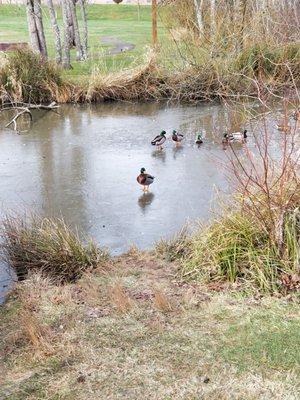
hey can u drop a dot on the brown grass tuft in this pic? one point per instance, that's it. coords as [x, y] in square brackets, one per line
[120, 299]
[161, 302]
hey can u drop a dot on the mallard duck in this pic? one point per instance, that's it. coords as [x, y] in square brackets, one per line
[159, 140]
[235, 137]
[284, 127]
[145, 179]
[199, 139]
[177, 138]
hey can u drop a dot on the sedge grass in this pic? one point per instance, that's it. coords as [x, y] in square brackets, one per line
[236, 249]
[48, 246]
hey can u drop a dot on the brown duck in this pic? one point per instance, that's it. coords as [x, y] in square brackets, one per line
[145, 180]
[177, 138]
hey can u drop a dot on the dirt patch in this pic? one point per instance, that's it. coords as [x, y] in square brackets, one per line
[118, 45]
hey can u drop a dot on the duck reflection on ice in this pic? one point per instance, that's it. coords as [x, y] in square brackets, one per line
[145, 200]
[160, 155]
[176, 151]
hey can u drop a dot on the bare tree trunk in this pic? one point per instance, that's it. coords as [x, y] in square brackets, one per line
[56, 31]
[79, 52]
[85, 29]
[40, 27]
[33, 33]
[70, 25]
[198, 11]
[66, 47]
[36, 28]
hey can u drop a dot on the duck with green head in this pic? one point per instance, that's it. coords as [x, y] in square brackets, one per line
[159, 140]
[145, 179]
[199, 139]
[177, 138]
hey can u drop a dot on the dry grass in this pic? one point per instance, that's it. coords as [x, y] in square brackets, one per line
[164, 75]
[120, 299]
[161, 302]
[49, 246]
[175, 248]
[211, 346]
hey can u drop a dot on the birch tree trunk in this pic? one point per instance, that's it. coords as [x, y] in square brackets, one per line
[56, 31]
[79, 53]
[85, 29]
[40, 27]
[36, 28]
[66, 61]
[34, 38]
[199, 19]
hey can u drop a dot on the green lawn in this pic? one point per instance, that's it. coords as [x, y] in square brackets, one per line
[120, 21]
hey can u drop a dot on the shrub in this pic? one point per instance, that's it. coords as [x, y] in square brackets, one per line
[49, 246]
[236, 249]
[27, 77]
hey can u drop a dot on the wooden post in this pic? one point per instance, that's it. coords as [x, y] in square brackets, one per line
[154, 23]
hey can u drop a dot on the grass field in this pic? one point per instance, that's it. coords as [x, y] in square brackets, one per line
[120, 21]
[132, 331]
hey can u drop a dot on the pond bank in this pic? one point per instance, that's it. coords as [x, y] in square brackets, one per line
[41, 81]
[132, 322]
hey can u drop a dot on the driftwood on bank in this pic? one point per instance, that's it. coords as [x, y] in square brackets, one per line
[25, 109]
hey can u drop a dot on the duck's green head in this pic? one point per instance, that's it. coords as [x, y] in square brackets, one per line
[225, 135]
[199, 137]
[143, 170]
[163, 133]
[174, 132]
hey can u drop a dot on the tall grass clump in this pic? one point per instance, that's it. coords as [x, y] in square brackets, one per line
[236, 249]
[48, 246]
[26, 77]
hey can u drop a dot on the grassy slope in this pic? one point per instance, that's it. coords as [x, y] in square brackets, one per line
[103, 20]
[174, 342]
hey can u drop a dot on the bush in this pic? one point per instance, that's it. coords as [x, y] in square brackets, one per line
[236, 249]
[27, 77]
[49, 246]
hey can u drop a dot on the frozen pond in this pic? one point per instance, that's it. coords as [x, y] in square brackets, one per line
[82, 165]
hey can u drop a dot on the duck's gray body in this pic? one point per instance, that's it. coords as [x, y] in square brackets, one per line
[158, 140]
[149, 180]
[145, 179]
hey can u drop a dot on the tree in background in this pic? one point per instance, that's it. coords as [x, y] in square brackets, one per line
[75, 30]
[82, 4]
[35, 27]
[67, 35]
[198, 4]
[71, 31]
[56, 31]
